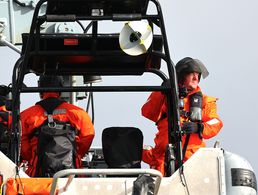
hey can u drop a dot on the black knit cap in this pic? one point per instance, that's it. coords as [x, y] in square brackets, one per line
[50, 81]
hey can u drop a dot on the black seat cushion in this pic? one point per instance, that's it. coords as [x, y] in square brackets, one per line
[122, 147]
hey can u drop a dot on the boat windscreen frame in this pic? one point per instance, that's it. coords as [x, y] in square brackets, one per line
[22, 67]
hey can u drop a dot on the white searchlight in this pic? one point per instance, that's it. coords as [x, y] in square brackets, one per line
[135, 37]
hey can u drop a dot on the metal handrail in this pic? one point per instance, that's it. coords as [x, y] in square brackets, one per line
[71, 172]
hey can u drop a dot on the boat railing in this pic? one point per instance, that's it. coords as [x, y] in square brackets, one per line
[71, 173]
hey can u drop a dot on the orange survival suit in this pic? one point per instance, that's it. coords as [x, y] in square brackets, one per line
[154, 108]
[34, 116]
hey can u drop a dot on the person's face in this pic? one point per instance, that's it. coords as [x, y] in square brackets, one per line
[191, 80]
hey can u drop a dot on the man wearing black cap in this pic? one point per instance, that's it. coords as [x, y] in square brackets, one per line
[198, 114]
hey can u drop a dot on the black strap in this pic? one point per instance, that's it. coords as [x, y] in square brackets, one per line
[50, 104]
[4, 115]
[186, 114]
[186, 144]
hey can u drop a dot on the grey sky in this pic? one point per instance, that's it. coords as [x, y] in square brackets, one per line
[222, 34]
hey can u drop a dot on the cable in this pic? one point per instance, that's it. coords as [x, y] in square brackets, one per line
[85, 30]
[90, 101]
[92, 108]
[183, 179]
[81, 25]
[17, 174]
[88, 27]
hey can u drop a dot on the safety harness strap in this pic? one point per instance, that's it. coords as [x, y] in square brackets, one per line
[50, 104]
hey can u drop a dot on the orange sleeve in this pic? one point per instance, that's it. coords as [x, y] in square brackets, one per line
[211, 121]
[30, 118]
[153, 106]
[156, 155]
[86, 134]
[82, 121]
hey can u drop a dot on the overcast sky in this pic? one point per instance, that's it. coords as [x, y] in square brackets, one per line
[222, 34]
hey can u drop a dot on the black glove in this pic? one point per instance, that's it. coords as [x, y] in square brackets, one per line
[191, 127]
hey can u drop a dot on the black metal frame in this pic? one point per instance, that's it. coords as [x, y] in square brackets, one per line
[21, 69]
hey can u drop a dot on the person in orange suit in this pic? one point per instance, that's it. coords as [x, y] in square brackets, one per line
[35, 116]
[197, 123]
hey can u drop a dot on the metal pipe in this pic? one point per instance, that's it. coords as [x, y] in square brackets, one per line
[8, 44]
